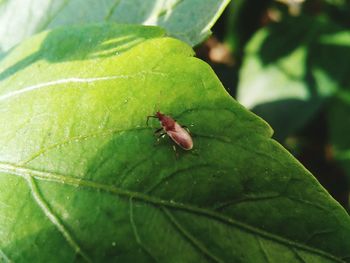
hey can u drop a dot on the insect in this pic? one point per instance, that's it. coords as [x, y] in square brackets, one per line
[175, 131]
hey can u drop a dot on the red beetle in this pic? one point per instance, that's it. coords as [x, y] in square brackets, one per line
[175, 131]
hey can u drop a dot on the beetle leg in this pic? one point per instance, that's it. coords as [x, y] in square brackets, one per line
[161, 135]
[158, 138]
[150, 116]
[176, 153]
[158, 130]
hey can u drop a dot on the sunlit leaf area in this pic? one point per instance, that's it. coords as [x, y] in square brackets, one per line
[174, 131]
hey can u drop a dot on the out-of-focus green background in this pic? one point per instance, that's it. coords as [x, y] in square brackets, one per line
[289, 62]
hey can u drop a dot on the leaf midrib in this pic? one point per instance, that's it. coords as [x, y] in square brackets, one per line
[24, 172]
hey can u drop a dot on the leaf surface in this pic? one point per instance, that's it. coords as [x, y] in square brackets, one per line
[188, 20]
[82, 178]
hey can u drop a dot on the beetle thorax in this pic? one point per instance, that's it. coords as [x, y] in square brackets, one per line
[167, 123]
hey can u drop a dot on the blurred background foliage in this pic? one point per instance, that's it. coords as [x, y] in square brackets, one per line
[289, 62]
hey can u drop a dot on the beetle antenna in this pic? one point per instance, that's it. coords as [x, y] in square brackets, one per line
[157, 107]
[150, 116]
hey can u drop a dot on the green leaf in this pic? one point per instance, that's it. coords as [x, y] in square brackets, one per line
[339, 128]
[290, 69]
[244, 18]
[338, 10]
[82, 178]
[188, 20]
[339, 107]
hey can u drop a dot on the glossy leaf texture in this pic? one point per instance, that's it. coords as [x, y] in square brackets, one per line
[289, 70]
[188, 20]
[83, 178]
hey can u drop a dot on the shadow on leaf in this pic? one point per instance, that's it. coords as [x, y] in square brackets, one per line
[91, 42]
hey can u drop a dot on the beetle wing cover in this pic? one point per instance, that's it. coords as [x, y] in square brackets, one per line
[181, 137]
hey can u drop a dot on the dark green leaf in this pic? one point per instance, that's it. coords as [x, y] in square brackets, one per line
[291, 68]
[244, 18]
[82, 178]
[339, 127]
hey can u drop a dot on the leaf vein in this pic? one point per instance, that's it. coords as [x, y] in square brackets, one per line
[50, 19]
[298, 256]
[112, 9]
[136, 234]
[104, 133]
[263, 250]
[53, 218]
[247, 198]
[162, 180]
[68, 180]
[72, 80]
[4, 257]
[188, 236]
[57, 82]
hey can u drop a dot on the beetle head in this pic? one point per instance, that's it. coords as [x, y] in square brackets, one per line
[159, 114]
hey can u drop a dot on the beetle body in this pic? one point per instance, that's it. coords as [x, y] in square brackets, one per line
[174, 130]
